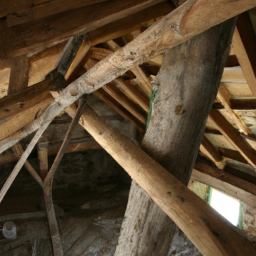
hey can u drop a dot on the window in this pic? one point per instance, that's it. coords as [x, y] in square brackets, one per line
[227, 206]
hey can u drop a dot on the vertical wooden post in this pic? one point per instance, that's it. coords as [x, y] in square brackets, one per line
[187, 86]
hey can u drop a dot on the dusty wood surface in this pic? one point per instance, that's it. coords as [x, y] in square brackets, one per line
[172, 30]
[171, 195]
[168, 139]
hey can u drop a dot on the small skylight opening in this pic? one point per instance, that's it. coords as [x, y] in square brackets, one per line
[227, 206]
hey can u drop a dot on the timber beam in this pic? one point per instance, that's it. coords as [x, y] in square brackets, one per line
[233, 136]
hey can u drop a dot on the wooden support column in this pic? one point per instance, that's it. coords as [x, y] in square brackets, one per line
[176, 128]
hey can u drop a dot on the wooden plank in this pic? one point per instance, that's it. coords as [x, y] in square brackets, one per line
[133, 93]
[112, 90]
[21, 161]
[244, 41]
[233, 136]
[225, 182]
[127, 88]
[138, 51]
[232, 154]
[170, 194]
[46, 10]
[19, 75]
[79, 59]
[225, 99]
[145, 84]
[23, 119]
[19, 102]
[42, 63]
[68, 54]
[211, 152]
[243, 104]
[233, 75]
[23, 38]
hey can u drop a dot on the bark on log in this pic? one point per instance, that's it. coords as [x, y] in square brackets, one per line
[188, 82]
[187, 21]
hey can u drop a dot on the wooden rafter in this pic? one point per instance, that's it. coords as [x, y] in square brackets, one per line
[244, 41]
[225, 98]
[233, 136]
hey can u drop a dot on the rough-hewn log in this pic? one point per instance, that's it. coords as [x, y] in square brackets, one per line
[168, 139]
[225, 182]
[172, 30]
[175, 199]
